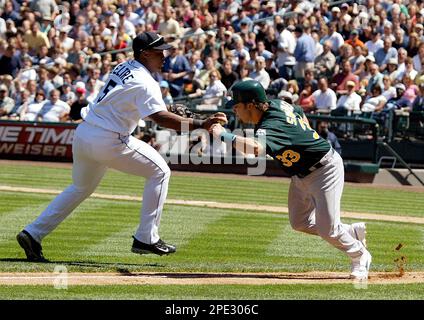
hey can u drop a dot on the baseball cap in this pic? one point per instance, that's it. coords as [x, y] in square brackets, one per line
[371, 58]
[247, 91]
[80, 90]
[211, 33]
[392, 61]
[149, 40]
[335, 9]
[3, 87]
[354, 31]
[164, 84]
[285, 94]
[400, 86]
[80, 84]
[350, 83]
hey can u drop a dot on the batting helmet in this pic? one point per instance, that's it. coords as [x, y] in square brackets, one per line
[247, 91]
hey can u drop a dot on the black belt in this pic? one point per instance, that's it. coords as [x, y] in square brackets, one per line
[319, 164]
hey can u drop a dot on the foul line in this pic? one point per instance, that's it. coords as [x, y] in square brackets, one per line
[223, 205]
[182, 278]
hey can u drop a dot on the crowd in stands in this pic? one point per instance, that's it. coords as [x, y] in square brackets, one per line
[363, 57]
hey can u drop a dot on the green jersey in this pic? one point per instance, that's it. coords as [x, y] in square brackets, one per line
[289, 140]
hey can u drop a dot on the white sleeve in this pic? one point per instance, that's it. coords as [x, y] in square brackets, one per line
[149, 100]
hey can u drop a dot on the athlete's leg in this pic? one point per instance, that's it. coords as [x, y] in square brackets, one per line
[301, 208]
[327, 188]
[139, 158]
[86, 175]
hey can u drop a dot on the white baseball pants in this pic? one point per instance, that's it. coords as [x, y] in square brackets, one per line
[314, 206]
[94, 150]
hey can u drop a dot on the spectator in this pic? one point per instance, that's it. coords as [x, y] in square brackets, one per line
[375, 43]
[78, 104]
[54, 110]
[43, 81]
[409, 70]
[304, 52]
[29, 112]
[334, 37]
[23, 101]
[418, 59]
[324, 132]
[418, 104]
[339, 81]
[354, 39]
[175, 68]
[306, 99]
[325, 62]
[213, 93]
[271, 69]
[286, 46]
[44, 8]
[392, 70]
[239, 51]
[375, 102]
[6, 103]
[309, 79]
[401, 41]
[260, 73]
[376, 78]
[36, 39]
[201, 77]
[411, 91]
[389, 91]
[10, 62]
[383, 55]
[325, 98]
[166, 95]
[350, 101]
[27, 72]
[228, 76]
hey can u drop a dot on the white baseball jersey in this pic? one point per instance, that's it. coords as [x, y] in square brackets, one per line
[130, 94]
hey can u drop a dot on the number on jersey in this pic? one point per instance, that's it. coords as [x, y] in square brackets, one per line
[106, 89]
[289, 157]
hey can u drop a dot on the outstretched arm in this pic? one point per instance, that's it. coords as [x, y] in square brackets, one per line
[172, 121]
[242, 144]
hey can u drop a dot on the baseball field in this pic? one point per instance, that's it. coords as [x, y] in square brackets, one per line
[232, 233]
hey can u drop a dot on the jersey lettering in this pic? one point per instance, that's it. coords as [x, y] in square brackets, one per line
[123, 72]
[110, 85]
[289, 157]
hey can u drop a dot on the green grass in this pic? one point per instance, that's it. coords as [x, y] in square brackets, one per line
[256, 191]
[217, 292]
[97, 237]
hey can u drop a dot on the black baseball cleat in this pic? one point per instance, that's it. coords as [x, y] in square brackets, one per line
[32, 248]
[159, 248]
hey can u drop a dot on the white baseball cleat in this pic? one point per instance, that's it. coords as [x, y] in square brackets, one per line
[361, 266]
[358, 231]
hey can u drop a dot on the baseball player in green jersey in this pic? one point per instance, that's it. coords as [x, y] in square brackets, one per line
[316, 170]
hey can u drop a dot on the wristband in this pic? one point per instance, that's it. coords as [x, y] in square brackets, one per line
[198, 123]
[226, 136]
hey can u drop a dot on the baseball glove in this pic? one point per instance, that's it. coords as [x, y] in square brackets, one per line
[183, 111]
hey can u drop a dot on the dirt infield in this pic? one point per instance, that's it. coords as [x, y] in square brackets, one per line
[222, 205]
[146, 278]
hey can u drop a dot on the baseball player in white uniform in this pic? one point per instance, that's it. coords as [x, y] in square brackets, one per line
[104, 140]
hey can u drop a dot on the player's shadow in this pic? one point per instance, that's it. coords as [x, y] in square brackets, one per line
[120, 267]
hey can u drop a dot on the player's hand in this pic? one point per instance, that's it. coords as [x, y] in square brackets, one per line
[216, 130]
[218, 117]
